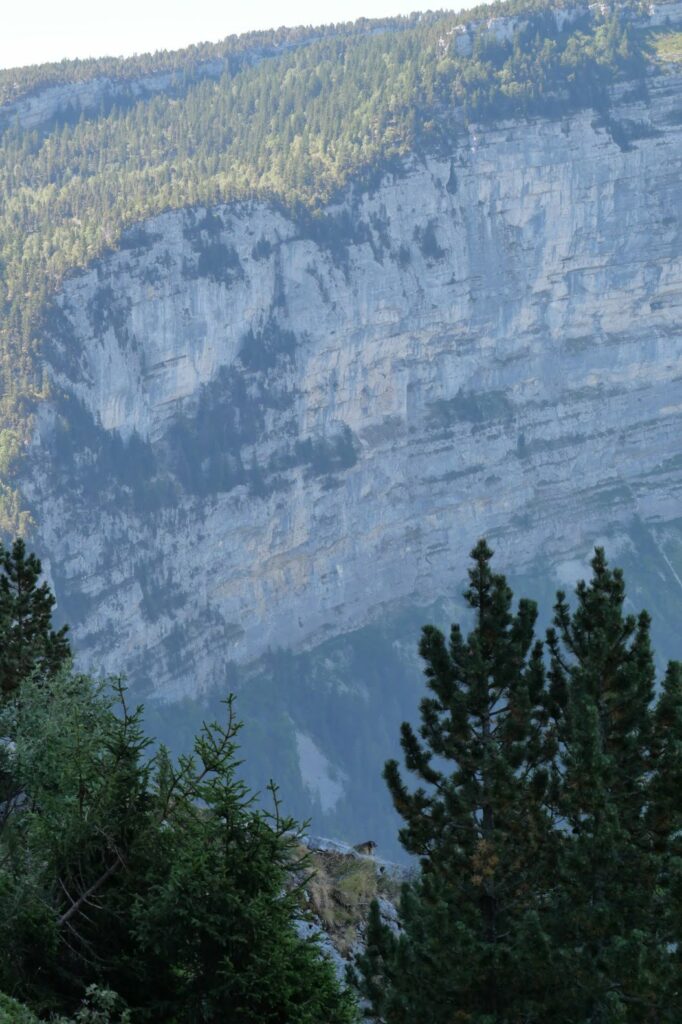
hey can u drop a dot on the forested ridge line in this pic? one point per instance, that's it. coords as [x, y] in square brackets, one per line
[21, 83]
[296, 129]
[17, 83]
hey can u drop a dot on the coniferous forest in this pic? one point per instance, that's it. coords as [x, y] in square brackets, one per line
[293, 117]
[542, 801]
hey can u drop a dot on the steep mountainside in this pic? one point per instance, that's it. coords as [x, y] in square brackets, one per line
[273, 433]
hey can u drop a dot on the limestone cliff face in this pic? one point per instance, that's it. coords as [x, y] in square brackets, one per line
[268, 432]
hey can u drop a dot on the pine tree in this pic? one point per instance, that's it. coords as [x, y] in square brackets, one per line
[161, 881]
[473, 940]
[215, 933]
[28, 643]
[619, 805]
[665, 822]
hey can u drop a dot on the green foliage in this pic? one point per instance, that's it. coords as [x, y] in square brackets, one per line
[29, 644]
[186, 64]
[159, 881]
[80, 766]
[340, 891]
[134, 888]
[217, 931]
[547, 822]
[294, 117]
[474, 932]
[12, 1012]
[99, 1006]
[667, 46]
[619, 804]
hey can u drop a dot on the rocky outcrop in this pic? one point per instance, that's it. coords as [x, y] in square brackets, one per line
[269, 432]
[339, 888]
[70, 100]
[480, 345]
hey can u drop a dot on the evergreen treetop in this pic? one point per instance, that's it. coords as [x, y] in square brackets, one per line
[28, 645]
[474, 938]
[134, 887]
[615, 921]
[547, 819]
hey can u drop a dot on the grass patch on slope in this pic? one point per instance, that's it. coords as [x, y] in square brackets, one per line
[340, 891]
[667, 46]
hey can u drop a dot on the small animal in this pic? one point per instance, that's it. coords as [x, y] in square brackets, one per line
[366, 848]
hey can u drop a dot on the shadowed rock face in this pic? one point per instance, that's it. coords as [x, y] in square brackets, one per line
[270, 433]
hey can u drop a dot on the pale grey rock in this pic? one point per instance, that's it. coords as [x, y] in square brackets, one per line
[395, 872]
[499, 345]
[323, 781]
[664, 13]
[486, 343]
[323, 845]
[312, 929]
[463, 41]
[389, 914]
[86, 97]
[503, 29]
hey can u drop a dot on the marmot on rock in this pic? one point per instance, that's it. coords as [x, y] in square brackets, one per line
[366, 848]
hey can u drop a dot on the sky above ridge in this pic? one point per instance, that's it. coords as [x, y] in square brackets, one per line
[36, 31]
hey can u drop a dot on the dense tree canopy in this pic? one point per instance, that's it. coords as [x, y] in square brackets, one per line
[154, 885]
[547, 821]
[617, 894]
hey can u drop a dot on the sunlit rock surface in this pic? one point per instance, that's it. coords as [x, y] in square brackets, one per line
[270, 436]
